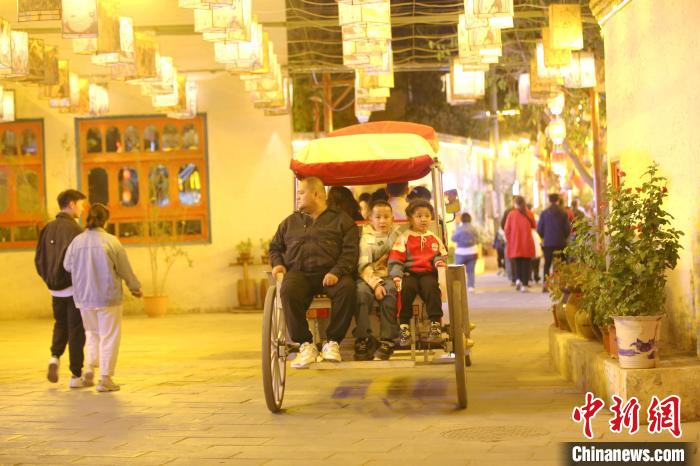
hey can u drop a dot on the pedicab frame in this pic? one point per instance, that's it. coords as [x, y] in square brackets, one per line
[364, 155]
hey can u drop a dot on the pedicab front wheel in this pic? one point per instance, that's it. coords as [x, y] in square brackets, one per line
[274, 351]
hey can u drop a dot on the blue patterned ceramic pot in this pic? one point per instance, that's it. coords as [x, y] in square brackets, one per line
[637, 341]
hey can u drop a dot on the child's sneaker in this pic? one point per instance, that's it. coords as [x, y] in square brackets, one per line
[386, 349]
[404, 335]
[52, 371]
[435, 332]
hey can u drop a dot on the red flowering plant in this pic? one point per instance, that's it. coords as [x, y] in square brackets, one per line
[641, 245]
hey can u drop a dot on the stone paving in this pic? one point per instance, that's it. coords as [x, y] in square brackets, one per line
[191, 395]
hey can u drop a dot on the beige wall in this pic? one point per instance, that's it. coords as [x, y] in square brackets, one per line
[249, 183]
[653, 114]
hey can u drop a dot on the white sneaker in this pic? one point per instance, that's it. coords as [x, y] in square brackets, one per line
[518, 285]
[331, 352]
[107, 385]
[524, 289]
[470, 289]
[76, 382]
[52, 372]
[307, 355]
[88, 378]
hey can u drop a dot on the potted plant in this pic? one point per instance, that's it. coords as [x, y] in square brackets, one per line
[265, 247]
[246, 287]
[641, 247]
[244, 249]
[558, 296]
[163, 253]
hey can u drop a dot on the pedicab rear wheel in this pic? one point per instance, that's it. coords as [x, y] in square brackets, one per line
[274, 351]
[457, 307]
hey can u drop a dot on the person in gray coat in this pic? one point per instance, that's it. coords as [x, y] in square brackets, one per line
[98, 263]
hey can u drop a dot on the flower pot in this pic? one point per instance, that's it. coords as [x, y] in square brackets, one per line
[561, 316]
[244, 257]
[155, 306]
[612, 341]
[606, 340]
[637, 341]
[571, 308]
[583, 324]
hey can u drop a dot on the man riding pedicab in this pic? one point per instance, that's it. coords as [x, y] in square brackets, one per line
[316, 248]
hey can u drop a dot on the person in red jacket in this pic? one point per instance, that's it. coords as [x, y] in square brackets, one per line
[520, 247]
[413, 263]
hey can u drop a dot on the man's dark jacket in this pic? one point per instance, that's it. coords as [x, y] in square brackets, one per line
[553, 227]
[330, 244]
[54, 239]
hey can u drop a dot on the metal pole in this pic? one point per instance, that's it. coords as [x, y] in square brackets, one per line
[598, 180]
[327, 103]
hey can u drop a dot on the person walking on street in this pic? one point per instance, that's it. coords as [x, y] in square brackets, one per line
[467, 251]
[48, 260]
[554, 229]
[99, 263]
[509, 265]
[519, 244]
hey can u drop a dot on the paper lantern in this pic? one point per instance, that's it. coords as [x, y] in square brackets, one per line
[20, 56]
[99, 99]
[556, 130]
[166, 81]
[37, 62]
[358, 53]
[246, 56]
[581, 72]
[8, 106]
[172, 99]
[145, 61]
[544, 71]
[50, 66]
[85, 46]
[554, 58]
[192, 4]
[232, 22]
[365, 21]
[368, 81]
[485, 39]
[542, 88]
[5, 45]
[499, 13]
[556, 103]
[124, 50]
[79, 18]
[38, 10]
[565, 27]
[190, 109]
[465, 83]
[61, 90]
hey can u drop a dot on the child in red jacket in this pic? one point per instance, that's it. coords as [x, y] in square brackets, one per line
[413, 263]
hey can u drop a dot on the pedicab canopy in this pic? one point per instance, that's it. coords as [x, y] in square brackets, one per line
[387, 127]
[360, 159]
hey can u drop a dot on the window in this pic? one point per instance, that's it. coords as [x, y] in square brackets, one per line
[22, 194]
[155, 184]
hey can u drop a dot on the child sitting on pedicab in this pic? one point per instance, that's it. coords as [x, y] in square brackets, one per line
[413, 263]
[376, 241]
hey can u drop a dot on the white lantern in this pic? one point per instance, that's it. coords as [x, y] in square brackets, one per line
[544, 71]
[99, 99]
[499, 13]
[565, 26]
[166, 82]
[124, 53]
[20, 56]
[581, 72]
[80, 18]
[365, 21]
[190, 109]
[554, 58]
[5, 45]
[556, 130]
[232, 22]
[42, 10]
[556, 103]
[466, 83]
[8, 106]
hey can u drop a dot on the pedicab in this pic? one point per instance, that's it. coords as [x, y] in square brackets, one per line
[368, 154]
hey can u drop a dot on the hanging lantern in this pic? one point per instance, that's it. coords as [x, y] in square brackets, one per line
[358, 53]
[50, 66]
[232, 22]
[79, 18]
[446, 82]
[20, 56]
[37, 68]
[556, 130]
[556, 104]
[8, 106]
[85, 46]
[368, 81]
[144, 63]
[60, 90]
[465, 83]
[565, 27]
[544, 71]
[581, 72]
[99, 99]
[247, 56]
[166, 81]
[365, 21]
[38, 10]
[190, 107]
[554, 58]
[124, 50]
[192, 4]
[5, 45]
[524, 89]
[486, 39]
[172, 99]
[499, 13]
[542, 88]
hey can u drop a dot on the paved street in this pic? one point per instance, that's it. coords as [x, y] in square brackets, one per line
[191, 395]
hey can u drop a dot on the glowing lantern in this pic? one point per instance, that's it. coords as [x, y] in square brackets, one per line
[85, 46]
[50, 66]
[542, 88]
[465, 83]
[247, 56]
[144, 63]
[556, 104]
[368, 81]
[190, 103]
[38, 10]
[20, 56]
[8, 106]
[556, 130]
[192, 4]
[485, 39]
[61, 90]
[232, 22]
[172, 99]
[99, 99]
[451, 98]
[366, 20]
[565, 28]
[166, 81]
[80, 18]
[581, 72]
[5, 45]
[37, 68]
[124, 51]
[499, 13]
[544, 71]
[554, 58]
